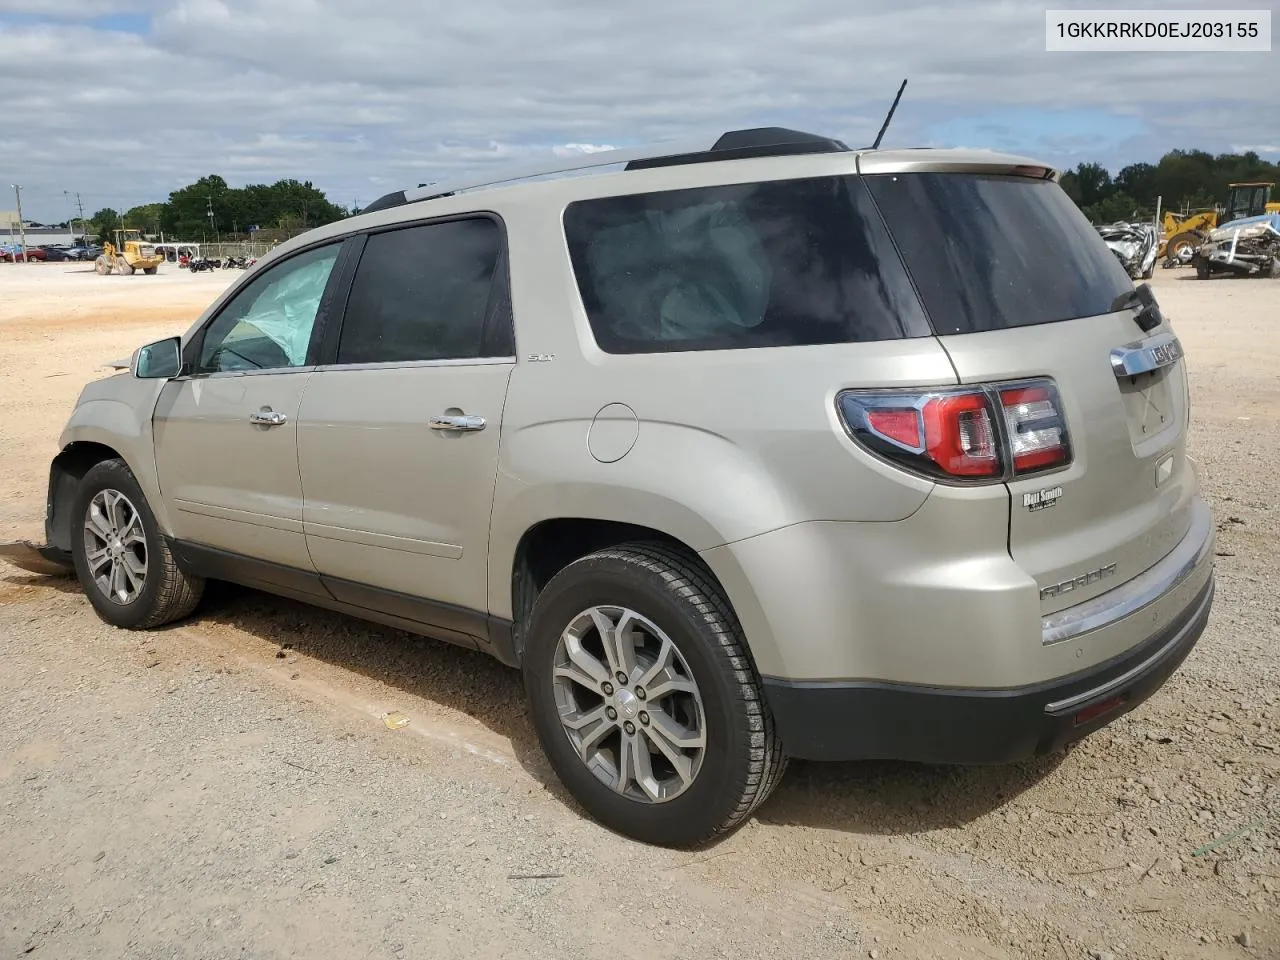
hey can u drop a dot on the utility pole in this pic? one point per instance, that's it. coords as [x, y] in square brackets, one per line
[213, 224]
[22, 227]
[80, 207]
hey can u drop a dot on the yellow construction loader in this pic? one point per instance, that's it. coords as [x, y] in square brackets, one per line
[129, 253]
[1182, 234]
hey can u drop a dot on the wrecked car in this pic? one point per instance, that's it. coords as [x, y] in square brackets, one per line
[1135, 245]
[1246, 247]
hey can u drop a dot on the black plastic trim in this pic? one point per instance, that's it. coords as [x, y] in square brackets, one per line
[216, 564]
[442, 621]
[872, 720]
[745, 144]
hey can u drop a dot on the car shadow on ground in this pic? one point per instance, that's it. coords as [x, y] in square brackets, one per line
[898, 799]
[868, 798]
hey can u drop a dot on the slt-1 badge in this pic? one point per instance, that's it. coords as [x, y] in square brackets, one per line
[1041, 499]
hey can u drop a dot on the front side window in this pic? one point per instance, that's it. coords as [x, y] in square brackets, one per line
[424, 293]
[268, 324]
[780, 263]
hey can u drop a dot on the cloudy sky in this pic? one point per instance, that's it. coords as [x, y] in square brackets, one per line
[125, 100]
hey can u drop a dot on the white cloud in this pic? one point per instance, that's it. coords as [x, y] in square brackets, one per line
[364, 98]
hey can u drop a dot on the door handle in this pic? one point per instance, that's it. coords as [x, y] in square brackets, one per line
[459, 422]
[267, 418]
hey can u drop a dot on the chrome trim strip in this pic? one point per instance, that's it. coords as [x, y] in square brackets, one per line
[1145, 356]
[1146, 588]
[1148, 664]
[415, 364]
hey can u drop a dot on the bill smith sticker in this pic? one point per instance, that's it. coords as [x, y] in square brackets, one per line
[1041, 499]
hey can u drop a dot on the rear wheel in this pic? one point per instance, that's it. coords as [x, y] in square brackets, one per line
[121, 559]
[645, 699]
[149, 270]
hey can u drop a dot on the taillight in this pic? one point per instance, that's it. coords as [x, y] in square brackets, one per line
[957, 435]
[1035, 426]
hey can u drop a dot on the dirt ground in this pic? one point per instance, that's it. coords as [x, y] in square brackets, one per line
[229, 788]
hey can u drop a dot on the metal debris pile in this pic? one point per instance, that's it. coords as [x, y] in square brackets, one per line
[1250, 247]
[1135, 245]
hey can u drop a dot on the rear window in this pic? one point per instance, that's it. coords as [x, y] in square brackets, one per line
[987, 253]
[780, 263]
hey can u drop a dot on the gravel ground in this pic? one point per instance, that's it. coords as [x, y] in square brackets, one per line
[231, 787]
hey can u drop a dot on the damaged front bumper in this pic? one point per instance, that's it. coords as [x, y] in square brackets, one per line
[1249, 247]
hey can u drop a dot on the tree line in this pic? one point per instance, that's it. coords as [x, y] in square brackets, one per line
[209, 209]
[1184, 180]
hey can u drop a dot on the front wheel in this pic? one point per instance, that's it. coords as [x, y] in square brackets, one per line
[120, 556]
[645, 699]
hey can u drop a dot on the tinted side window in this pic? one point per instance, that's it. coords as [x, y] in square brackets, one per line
[268, 324]
[993, 252]
[423, 293]
[781, 263]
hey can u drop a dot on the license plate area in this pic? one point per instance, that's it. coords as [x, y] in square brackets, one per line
[1150, 404]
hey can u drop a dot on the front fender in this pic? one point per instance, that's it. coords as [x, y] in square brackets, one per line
[123, 423]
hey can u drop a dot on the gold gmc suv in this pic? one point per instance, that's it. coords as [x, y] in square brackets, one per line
[747, 449]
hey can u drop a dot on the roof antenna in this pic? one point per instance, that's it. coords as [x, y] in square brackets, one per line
[880, 135]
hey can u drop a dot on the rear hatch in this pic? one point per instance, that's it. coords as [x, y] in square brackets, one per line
[1017, 284]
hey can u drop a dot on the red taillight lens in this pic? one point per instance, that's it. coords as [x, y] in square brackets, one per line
[975, 434]
[900, 426]
[1036, 428]
[960, 435]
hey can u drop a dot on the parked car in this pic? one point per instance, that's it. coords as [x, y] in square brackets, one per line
[16, 254]
[56, 254]
[757, 449]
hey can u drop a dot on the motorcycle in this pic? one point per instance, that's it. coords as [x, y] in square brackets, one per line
[200, 264]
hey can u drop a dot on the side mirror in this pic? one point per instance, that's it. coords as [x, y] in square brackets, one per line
[157, 361]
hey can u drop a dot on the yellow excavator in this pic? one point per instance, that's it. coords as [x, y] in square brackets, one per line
[129, 253]
[1183, 233]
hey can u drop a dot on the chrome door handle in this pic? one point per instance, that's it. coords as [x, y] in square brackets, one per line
[460, 422]
[267, 418]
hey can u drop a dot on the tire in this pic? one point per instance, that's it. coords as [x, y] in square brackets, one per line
[1173, 249]
[164, 593]
[674, 601]
[149, 271]
[1202, 268]
[123, 267]
[101, 267]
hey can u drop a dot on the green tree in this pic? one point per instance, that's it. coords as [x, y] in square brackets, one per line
[103, 223]
[146, 217]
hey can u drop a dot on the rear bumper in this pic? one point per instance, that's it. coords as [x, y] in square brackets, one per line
[853, 720]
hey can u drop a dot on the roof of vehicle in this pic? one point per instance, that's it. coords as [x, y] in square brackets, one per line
[734, 145]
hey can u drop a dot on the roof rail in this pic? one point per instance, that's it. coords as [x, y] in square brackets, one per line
[734, 145]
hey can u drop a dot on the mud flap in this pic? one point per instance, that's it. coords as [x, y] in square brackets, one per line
[48, 561]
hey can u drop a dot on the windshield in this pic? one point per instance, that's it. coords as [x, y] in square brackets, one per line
[986, 252]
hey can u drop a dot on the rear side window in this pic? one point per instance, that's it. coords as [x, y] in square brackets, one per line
[781, 263]
[426, 293]
[988, 253]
